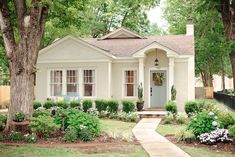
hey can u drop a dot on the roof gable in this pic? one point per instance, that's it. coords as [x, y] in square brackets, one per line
[122, 33]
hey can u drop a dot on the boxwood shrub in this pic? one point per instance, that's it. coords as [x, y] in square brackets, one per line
[128, 106]
[49, 104]
[86, 104]
[101, 104]
[113, 106]
[62, 104]
[75, 104]
[171, 107]
[36, 104]
[191, 107]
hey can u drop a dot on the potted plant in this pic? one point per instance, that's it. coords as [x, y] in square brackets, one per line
[140, 102]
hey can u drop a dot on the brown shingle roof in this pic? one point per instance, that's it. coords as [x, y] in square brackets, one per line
[182, 44]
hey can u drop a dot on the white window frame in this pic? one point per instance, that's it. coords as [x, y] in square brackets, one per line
[95, 84]
[49, 81]
[124, 83]
[80, 81]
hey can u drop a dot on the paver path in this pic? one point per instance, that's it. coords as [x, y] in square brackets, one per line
[155, 144]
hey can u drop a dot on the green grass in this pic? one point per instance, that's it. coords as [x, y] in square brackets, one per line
[204, 152]
[167, 129]
[116, 128]
[29, 151]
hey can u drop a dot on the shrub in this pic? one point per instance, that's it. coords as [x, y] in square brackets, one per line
[101, 105]
[85, 134]
[103, 114]
[93, 111]
[128, 106]
[181, 119]
[205, 105]
[168, 119]
[113, 116]
[62, 104]
[3, 120]
[75, 104]
[37, 113]
[43, 125]
[132, 117]
[203, 122]
[232, 131]
[226, 120]
[86, 104]
[18, 117]
[15, 136]
[91, 123]
[31, 138]
[36, 105]
[70, 136]
[112, 106]
[218, 135]
[49, 104]
[2, 138]
[185, 135]
[171, 107]
[191, 107]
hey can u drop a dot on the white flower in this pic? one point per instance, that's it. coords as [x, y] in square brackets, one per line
[214, 123]
[211, 113]
[216, 117]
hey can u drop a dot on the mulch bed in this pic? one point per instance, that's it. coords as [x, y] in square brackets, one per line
[219, 147]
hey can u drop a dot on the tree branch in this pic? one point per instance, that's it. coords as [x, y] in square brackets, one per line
[20, 6]
[6, 28]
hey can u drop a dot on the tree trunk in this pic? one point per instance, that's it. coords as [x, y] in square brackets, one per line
[223, 75]
[232, 59]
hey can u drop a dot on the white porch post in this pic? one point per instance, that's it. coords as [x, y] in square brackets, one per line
[171, 76]
[141, 73]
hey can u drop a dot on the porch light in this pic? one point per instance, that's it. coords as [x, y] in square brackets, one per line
[156, 62]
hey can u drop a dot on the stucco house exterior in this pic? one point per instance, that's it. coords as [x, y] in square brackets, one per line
[112, 67]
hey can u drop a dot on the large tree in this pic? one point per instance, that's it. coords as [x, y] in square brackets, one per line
[22, 28]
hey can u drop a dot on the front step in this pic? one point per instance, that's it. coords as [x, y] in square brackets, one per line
[152, 114]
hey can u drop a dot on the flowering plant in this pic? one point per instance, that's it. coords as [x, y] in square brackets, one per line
[30, 138]
[218, 135]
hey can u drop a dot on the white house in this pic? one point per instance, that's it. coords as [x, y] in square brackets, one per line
[113, 66]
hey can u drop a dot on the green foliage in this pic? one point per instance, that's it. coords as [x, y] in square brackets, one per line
[128, 106]
[191, 108]
[31, 138]
[86, 104]
[127, 117]
[75, 104]
[43, 125]
[181, 119]
[140, 93]
[36, 104]
[70, 136]
[168, 119]
[37, 113]
[203, 123]
[49, 104]
[15, 136]
[171, 107]
[18, 116]
[101, 105]
[82, 120]
[184, 135]
[3, 121]
[62, 104]
[204, 105]
[85, 134]
[226, 120]
[173, 93]
[232, 131]
[112, 106]
[2, 138]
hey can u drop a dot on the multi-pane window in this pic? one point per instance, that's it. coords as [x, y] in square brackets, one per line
[89, 82]
[72, 82]
[56, 82]
[130, 83]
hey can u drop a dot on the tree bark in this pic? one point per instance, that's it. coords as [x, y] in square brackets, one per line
[232, 59]
[223, 75]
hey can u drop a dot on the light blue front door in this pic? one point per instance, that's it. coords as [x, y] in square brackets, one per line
[157, 88]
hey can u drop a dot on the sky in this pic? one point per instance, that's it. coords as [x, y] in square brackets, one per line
[155, 16]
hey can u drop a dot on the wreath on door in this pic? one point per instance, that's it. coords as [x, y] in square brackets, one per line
[158, 79]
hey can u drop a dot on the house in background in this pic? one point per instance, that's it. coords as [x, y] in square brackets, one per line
[112, 67]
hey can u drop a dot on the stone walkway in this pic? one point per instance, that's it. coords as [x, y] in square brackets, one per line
[153, 143]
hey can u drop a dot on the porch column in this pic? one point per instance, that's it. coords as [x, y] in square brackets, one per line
[171, 75]
[141, 71]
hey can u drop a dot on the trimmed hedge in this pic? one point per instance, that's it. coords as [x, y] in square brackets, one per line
[113, 106]
[49, 104]
[62, 104]
[128, 106]
[101, 104]
[86, 104]
[36, 104]
[191, 107]
[75, 104]
[171, 107]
